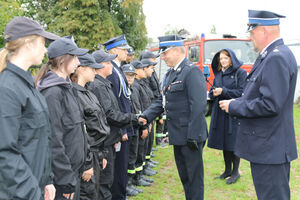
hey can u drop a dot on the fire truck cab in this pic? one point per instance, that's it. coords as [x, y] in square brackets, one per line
[201, 52]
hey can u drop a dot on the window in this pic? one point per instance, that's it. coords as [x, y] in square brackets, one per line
[194, 53]
[243, 50]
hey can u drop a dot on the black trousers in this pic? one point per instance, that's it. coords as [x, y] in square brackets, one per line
[271, 181]
[150, 142]
[133, 151]
[190, 168]
[120, 176]
[140, 154]
[107, 175]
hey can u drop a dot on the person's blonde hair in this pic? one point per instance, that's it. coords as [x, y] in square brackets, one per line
[54, 63]
[12, 47]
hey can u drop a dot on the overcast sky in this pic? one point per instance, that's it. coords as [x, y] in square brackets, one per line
[229, 16]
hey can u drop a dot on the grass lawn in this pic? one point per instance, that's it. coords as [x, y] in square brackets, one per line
[167, 184]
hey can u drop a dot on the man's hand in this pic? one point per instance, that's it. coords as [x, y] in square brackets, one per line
[104, 163]
[224, 105]
[217, 91]
[192, 144]
[87, 175]
[144, 134]
[124, 137]
[49, 192]
[143, 120]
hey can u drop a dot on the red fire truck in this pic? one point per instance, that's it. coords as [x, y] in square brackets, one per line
[201, 52]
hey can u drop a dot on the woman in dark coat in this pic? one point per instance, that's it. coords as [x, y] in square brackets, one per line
[96, 126]
[25, 166]
[68, 137]
[229, 83]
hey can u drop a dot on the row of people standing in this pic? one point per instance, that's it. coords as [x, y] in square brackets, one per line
[69, 142]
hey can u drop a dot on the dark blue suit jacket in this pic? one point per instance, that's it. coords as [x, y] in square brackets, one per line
[185, 92]
[123, 102]
[266, 126]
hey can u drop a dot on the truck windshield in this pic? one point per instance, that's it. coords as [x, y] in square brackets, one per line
[243, 50]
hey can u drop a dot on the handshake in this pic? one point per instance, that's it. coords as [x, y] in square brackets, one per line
[139, 121]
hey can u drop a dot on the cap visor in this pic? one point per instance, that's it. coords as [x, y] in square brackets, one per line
[125, 46]
[96, 66]
[78, 51]
[49, 36]
[110, 58]
[162, 50]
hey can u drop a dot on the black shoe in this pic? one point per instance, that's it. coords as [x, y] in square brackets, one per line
[151, 165]
[130, 191]
[139, 190]
[138, 181]
[154, 149]
[154, 162]
[233, 179]
[223, 176]
[149, 172]
[150, 180]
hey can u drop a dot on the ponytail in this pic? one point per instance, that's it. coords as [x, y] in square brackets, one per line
[42, 73]
[3, 59]
[54, 63]
[12, 47]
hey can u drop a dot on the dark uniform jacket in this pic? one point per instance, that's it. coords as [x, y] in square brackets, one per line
[136, 104]
[222, 132]
[68, 139]
[94, 118]
[154, 85]
[102, 88]
[25, 163]
[266, 125]
[124, 103]
[185, 103]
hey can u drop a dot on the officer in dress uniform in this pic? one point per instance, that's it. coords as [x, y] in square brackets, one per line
[266, 134]
[184, 99]
[118, 45]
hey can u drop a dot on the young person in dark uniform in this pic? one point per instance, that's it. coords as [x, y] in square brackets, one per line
[266, 135]
[229, 82]
[155, 87]
[96, 126]
[145, 100]
[68, 137]
[149, 68]
[118, 45]
[25, 165]
[184, 99]
[136, 108]
[102, 88]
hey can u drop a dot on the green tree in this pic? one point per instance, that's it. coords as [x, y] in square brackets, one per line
[8, 10]
[131, 19]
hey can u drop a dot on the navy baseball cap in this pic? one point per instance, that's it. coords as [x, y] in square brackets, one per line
[88, 60]
[148, 54]
[262, 18]
[64, 46]
[101, 56]
[116, 42]
[128, 68]
[169, 41]
[147, 63]
[137, 64]
[20, 27]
